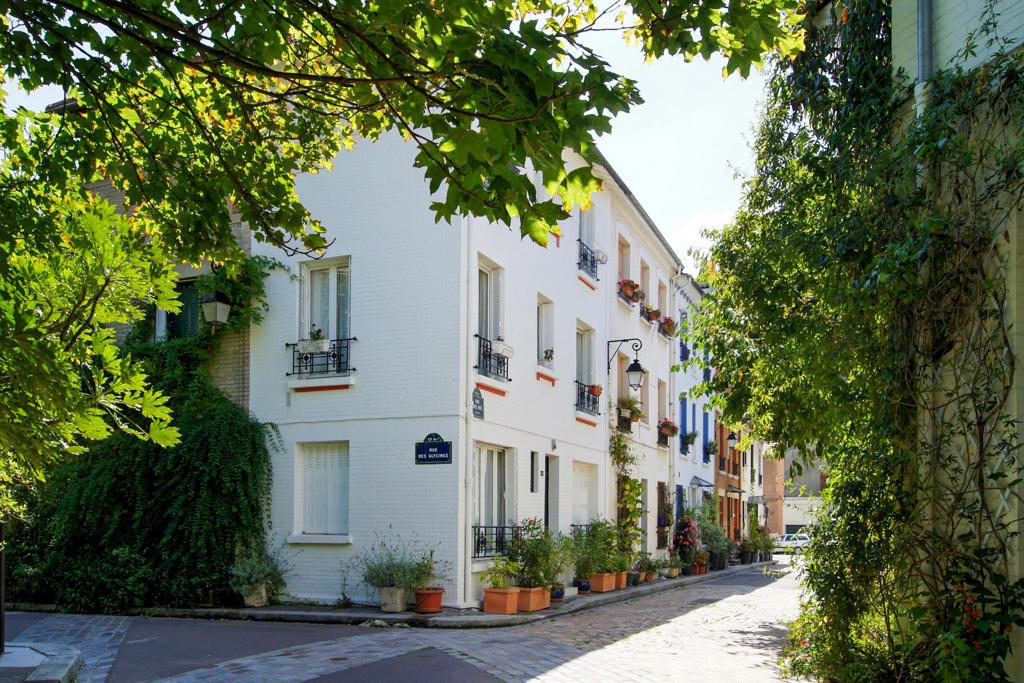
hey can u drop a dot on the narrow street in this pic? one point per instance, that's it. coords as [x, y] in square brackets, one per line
[725, 627]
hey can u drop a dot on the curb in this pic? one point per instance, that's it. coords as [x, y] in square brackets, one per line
[453, 619]
[60, 663]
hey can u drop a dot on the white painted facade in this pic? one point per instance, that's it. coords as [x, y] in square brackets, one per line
[414, 294]
[692, 467]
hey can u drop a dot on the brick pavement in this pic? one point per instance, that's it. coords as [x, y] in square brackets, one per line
[723, 628]
[705, 632]
[96, 637]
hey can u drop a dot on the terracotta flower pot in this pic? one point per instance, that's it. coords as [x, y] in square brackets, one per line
[428, 600]
[501, 600]
[533, 599]
[620, 580]
[628, 290]
[596, 389]
[602, 583]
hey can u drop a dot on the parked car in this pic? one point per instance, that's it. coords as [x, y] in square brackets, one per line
[792, 543]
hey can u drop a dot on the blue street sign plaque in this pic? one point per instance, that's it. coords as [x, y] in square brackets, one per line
[433, 450]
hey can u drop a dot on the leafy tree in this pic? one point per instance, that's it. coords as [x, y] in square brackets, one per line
[192, 110]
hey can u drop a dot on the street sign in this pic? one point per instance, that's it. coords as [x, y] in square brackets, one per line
[478, 403]
[433, 450]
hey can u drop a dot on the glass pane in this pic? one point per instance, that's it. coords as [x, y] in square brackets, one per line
[483, 297]
[185, 323]
[319, 302]
[343, 304]
[581, 355]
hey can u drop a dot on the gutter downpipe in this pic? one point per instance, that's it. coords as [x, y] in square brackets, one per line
[467, 408]
[925, 55]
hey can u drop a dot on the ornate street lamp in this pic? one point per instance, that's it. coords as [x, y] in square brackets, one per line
[732, 440]
[635, 371]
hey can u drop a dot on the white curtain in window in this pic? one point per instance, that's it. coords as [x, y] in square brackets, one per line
[326, 488]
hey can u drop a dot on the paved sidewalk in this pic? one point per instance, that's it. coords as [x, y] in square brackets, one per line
[730, 625]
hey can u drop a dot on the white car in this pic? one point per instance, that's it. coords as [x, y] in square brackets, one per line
[792, 543]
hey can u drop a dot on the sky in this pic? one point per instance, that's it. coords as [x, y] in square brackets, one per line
[679, 152]
[685, 152]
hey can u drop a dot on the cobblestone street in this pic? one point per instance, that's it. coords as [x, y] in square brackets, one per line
[725, 627]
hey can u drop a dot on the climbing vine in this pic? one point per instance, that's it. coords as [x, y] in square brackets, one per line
[859, 311]
[131, 523]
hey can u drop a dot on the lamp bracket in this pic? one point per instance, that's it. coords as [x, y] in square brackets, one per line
[637, 345]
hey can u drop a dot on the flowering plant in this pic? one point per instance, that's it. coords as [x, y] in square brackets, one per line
[669, 427]
[687, 538]
[668, 325]
[628, 284]
[315, 333]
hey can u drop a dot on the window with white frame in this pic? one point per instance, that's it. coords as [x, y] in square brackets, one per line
[490, 283]
[545, 331]
[322, 493]
[491, 486]
[585, 355]
[328, 299]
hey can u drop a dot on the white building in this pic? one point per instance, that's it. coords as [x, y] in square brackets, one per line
[694, 474]
[428, 327]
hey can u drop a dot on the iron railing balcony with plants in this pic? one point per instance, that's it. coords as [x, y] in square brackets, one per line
[578, 529]
[586, 402]
[328, 357]
[588, 260]
[489, 541]
[489, 362]
[662, 439]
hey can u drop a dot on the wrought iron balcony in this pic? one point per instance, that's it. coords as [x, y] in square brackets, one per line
[721, 463]
[588, 260]
[488, 361]
[489, 541]
[736, 469]
[662, 538]
[578, 529]
[330, 358]
[684, 352]
[586, 402]
[625, 422]
[662, 439]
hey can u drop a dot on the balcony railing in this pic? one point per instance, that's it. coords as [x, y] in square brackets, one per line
[588, 260]
[625, 423]
[662, 439]
[736, 469]
[721, 463]
[578, 529]
[488, 362]
[586, 402]
[489, 541]
[662, 538]
[684, 352]
[707, 374]
[333, 358]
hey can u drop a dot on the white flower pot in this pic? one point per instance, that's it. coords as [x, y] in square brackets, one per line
[314, 346]
[392, 599]
[501, 348]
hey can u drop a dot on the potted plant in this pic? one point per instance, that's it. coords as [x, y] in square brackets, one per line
[394, 568]
[315, 342]
[668, 427]
[586, 556]
[558, 562]
[630, 406]
[700, 561]
[428, 593]
[621, 568]
[674, 567]
[711, 449]
[667, 326]
[652, 314]
[534, 550]
[689, 438]
[595, 389]
[602, 538]
[747, 549]
[257, 576]
[687, 538]
[499, 347]
[500, 596]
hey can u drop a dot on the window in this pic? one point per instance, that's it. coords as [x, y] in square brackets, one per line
[623, 259]
[662, 298]
[645, 392]
[587, 261]
[491, 487]
[534, 472]
[322, 488]
[683, 448]
[545, 332]
[662, 400]
[184, 323]
[328, 300]
[645, 278]
[491, 282]
[584, 355]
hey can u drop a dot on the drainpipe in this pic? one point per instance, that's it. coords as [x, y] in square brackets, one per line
[925, 56]
[467, 411]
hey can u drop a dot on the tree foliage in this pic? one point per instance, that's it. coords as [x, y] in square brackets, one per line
[202, 113]
[859, 312]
